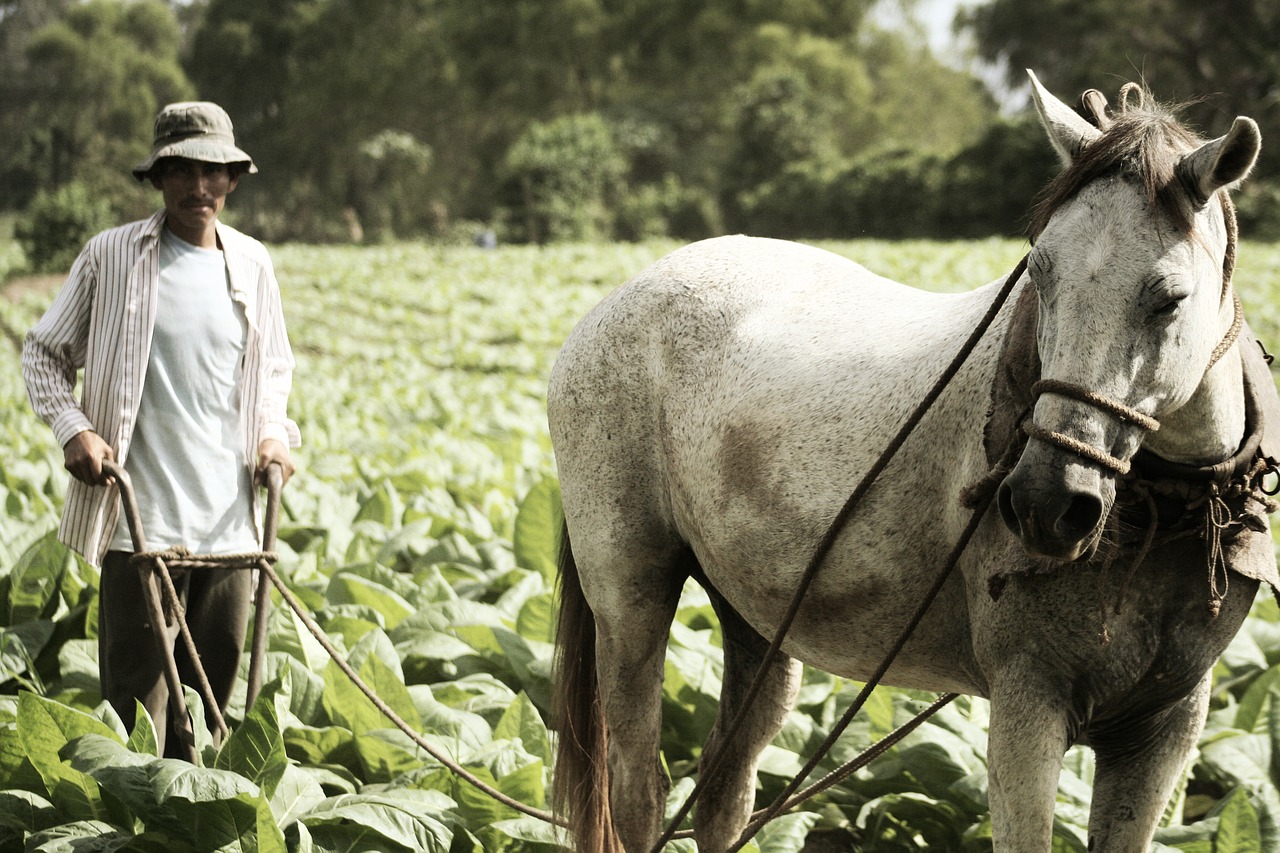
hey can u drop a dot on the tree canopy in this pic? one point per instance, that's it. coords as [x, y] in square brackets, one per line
[567, 119]
[1220, 57]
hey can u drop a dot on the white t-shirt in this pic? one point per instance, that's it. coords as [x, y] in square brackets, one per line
[186, 460]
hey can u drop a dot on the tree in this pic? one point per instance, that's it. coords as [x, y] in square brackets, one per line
[1220, 51]
[82, 98]
[705, 100]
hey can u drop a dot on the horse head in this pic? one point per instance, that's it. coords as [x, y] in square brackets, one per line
[1133, 246]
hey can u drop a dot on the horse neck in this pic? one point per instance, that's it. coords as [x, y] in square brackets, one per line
[1210, 427]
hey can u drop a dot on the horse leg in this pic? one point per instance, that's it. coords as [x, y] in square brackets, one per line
[1027, 739]
[728, 795]
[1138, 767]
[633, 613]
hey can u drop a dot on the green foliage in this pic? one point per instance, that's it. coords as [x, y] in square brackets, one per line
[421, 533]
[568, 172]
[1233, 68]
[1258, 209]
[703, 104]
[57, 225]
[988, 186]
[375, 120]
[79, 95]
[388, 183]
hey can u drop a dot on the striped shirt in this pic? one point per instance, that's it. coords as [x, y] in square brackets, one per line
[102, 321]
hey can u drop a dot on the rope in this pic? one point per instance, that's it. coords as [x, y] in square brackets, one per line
[953, 560]
[1217, 518]
[1112, 407]
[828, 540]
[1229, 340]
[1098, 401]
[388, 712]
[179, 557]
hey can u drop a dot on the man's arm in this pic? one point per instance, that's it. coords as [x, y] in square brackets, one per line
[55, 349]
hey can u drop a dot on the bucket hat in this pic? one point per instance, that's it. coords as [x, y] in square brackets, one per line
[197, 130]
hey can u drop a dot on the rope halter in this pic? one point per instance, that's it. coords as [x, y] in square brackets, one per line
[1074, 445]
[1115, 408]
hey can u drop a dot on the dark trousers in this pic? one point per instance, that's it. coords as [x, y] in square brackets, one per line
[131, 667]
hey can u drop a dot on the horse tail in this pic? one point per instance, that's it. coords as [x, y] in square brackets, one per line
[580, 788]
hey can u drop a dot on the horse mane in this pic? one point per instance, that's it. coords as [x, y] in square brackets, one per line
[1142, 143]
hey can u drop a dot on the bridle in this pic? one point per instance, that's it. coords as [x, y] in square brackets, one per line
[1118, 410]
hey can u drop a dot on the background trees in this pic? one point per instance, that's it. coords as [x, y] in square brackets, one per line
[1219, 57]
[567, 119]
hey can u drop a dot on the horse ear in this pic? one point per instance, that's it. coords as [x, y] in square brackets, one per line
[1221, 162]
[1069, 133]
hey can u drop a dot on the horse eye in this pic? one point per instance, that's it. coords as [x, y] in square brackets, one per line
[1170, 305]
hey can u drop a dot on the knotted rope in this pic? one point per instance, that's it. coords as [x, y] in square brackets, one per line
[263, 561]
[1119, 410]
[172, 610]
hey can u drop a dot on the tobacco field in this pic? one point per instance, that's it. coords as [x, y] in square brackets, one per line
[421, 532]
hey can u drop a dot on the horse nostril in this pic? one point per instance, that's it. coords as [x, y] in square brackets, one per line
[1081, 516]
[1004, 500]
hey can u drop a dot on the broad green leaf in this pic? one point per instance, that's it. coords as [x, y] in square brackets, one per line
[349, 707]
[240, 823]
[450, 726]
[205, 750]
[386, 754]
[786, 834]
[547, 837]
[291, 636]
[522, 722]
[347, 588]
[537, 531]
[1238, 827]
[20, 645]
[301, 687]
[349, 838]
[81, 836]
[537, 619]
[524, 585]
[26, 811]
[34, 579]
[480, 693]
[44, 728]
[297, 792]
[410, 818]
[377, 645]
[255, 749]
[16, 769]
[128, 776]
[143, 737]
[78, 666]
[1260, 692]
[382, 505]
[333, 745]
[479, 809]
[211, 808]
[1245, 758]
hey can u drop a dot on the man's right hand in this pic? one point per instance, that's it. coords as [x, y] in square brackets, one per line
[83, 456]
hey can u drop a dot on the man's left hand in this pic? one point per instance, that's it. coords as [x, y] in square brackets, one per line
[270, 450]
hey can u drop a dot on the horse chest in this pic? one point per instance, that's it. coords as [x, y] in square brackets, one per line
[1115, 650]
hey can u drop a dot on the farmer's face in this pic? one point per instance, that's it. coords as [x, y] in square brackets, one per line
[194, 194]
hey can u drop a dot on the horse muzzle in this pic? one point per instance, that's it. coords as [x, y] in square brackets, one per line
[1055, 504]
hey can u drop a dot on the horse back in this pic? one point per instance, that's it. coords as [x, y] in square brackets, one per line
[728, 398]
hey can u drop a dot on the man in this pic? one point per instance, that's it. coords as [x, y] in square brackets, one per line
[176, 322]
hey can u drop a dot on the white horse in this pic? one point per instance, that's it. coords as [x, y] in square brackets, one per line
[710, 417]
